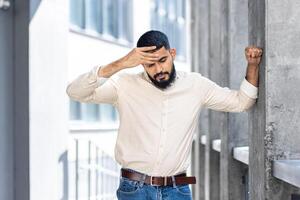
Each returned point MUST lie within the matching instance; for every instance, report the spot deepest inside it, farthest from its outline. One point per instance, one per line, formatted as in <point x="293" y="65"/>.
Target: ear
<point x="173" y="53"/>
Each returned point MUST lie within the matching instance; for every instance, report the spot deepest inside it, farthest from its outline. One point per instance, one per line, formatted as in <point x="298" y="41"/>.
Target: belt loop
<point x="174" y="182"/>
<point x="143" y="180"/>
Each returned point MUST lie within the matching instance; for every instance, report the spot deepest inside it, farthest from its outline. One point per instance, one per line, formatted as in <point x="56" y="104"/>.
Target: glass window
<point x="107" y="113"/>
<point x="91" y="14"/>
<point x="168" y="16"/>
<point x="75" y="110"/>
<point x="103" y="113"/>
<point x="77" y="13"/>
<point x="125" y="19"/>
<point x="89" y="112"/>
<point x="109" y="18"/>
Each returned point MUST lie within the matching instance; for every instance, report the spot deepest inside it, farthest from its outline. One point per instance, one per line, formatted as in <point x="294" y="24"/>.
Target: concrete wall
<point x="220" y="32"/>
<point x="275" y="128"/>
<point x="199" y="53"/>
<point x="6" y="105"/>
<point x="235" y="40"/>
<point x="14" y="102"/>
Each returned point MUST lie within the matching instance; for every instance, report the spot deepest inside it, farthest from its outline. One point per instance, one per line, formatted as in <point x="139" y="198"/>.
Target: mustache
<point x="161" y="73"/>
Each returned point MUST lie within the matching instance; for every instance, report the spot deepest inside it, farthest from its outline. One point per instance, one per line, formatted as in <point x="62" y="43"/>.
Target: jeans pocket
<point x="183" y="189"/>
<point x="128" y="186"/>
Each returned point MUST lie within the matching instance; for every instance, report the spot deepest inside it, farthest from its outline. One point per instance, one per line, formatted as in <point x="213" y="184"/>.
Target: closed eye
<point x="151" y="65"/>
<point x="163" y="59"/>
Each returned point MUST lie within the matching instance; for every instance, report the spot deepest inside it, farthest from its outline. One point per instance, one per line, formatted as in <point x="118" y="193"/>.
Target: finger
<point x="149" y="55"/>
<point x="147" y="48"/>
<point x="148" y="62"/>
<point x="153" y="60"/>
<point x="248" y="53"/>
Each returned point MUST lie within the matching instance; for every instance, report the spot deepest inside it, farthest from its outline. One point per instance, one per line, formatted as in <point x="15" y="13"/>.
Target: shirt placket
<point x="163" y="134"/>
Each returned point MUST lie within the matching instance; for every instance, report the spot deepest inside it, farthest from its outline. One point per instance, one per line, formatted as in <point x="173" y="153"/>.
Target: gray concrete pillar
<point x="20" y="92"/>
<point x="200" y="33"/>
<point x="235" y="39"/>
<point x="274" y="25"/>
<point x="217" y="120"/>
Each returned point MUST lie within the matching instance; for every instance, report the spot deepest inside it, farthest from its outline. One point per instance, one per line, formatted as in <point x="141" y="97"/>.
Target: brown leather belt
<point x="158" y="180"/>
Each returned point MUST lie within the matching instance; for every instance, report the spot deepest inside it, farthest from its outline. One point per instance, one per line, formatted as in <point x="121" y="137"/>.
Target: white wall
<point x="48" y="100"/>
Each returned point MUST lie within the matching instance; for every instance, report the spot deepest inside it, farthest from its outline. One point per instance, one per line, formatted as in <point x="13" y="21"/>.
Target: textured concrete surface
<point x="275" y="131"/>
<point x="6" y="105"/>
<point x="216" y="145"/>
<point x="199" y="50"/>
<point x="221" y="31"/>
<point x="241" y="154"/>
<point x="236" y="35"/>
<point x="288" y="171"/>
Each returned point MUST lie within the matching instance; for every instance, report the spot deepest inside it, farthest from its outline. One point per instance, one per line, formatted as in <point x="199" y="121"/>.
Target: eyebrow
<point x="163" y="58"/>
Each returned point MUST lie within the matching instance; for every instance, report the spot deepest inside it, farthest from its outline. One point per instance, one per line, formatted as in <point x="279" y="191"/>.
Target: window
<point x="169" y="16"/>
<point x="86" y="112"/>
<point x="106" y="19"/>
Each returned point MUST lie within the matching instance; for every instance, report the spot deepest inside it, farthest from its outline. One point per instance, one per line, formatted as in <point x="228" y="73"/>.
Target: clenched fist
<point x="253" y="55"/>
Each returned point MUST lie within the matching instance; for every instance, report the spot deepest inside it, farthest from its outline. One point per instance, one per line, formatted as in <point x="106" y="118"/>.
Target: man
<point x="159" y="110"/>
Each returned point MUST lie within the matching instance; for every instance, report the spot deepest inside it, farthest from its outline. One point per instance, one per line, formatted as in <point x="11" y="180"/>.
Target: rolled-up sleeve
<point x="227" y="100"/>
<point x="90" y="88"/>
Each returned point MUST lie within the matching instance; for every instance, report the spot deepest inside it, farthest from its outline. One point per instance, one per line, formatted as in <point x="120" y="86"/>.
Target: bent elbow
<point x="70" y="92"/>
<point x="247" y="105"/>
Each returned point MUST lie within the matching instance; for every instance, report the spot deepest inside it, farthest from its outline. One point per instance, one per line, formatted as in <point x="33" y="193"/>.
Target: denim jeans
<point x="138" y="190"/>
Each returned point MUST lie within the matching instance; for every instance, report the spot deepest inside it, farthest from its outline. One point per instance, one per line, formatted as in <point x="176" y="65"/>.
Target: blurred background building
<point x="55" y="148"/>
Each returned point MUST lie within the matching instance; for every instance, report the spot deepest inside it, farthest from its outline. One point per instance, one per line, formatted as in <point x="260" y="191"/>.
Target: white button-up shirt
<point x="157" y="126"/>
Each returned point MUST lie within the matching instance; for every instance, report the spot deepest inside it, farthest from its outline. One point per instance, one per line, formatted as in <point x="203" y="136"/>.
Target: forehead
<point x="161" y="52"/>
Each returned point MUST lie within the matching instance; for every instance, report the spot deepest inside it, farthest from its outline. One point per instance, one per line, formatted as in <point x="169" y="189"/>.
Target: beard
<point x="163" y="84"/>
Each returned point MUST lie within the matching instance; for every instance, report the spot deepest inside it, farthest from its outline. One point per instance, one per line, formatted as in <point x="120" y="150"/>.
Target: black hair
<point x="154" y="38"/>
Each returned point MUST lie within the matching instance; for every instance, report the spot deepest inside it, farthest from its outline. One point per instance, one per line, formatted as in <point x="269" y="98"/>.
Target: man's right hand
<point x="139" y="55"/>
<point x="135" y="57"/>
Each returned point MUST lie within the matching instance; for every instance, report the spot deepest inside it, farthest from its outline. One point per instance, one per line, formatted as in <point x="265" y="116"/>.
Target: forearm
<point x="112" y="68"/>
<point x="252" y="74"/>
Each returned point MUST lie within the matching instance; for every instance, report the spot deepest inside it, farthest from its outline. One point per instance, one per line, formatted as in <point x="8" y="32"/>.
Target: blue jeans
<point x="138" y="190"/>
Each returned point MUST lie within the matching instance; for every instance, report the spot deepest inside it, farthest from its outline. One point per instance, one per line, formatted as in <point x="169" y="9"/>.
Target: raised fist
<point x="253" y="55"/>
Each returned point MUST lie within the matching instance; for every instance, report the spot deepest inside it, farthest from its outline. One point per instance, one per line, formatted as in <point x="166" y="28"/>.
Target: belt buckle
<point x="165" y="181"/>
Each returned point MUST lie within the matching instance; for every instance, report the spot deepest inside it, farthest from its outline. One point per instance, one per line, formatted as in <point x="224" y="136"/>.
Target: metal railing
<point x="93" y="174"/>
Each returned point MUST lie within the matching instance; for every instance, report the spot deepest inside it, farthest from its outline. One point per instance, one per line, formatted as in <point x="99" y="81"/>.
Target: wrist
<point x="253" y="65"/>
<point x="122" y="63"/>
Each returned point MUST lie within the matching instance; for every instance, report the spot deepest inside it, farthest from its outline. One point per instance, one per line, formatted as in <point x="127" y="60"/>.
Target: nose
<point x="158" y="68"/>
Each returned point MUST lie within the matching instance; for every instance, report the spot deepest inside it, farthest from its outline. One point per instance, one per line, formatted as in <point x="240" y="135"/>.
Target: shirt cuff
<point x="100" y="80"/>
<point x="249" y="89"/>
